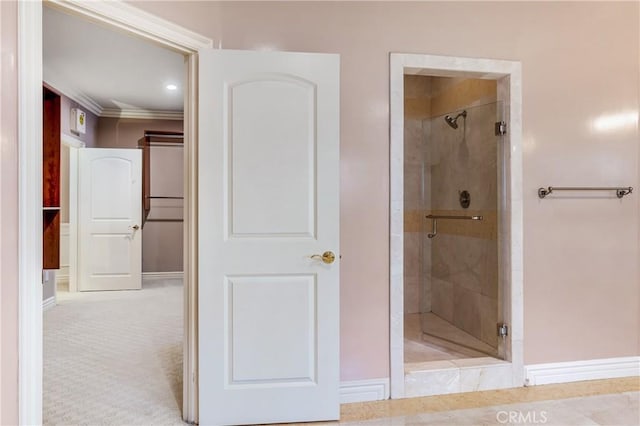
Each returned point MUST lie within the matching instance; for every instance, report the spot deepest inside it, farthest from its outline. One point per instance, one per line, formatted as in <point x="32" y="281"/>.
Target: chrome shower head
<point x="453" y="121"/>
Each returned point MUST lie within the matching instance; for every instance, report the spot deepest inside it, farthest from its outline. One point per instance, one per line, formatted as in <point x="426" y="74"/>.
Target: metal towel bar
<point x="436" y="216"/>
<point x="434" y="221"/>
<point x="621" y="191"/>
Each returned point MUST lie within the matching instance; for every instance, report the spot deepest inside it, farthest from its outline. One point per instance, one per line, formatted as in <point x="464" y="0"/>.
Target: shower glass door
<point x="460" y="297"/>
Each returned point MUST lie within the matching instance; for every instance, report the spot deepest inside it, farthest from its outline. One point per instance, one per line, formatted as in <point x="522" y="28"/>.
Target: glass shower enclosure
<point x="460" y="286"/>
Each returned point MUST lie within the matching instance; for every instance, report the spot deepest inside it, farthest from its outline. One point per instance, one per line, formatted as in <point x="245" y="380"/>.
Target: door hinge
<point x="503" y="330"/>
<point x="501" y="128"/>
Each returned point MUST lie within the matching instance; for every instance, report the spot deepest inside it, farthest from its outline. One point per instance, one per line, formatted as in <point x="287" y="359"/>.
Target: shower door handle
<point x="327" y="257"/>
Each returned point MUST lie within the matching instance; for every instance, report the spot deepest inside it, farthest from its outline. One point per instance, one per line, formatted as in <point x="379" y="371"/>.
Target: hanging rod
<point x="165" y="144"/>
<point x="432" y="216"/>
<point x="164" y="198"/>
<point x="434" y="221"/>
<point x="165" y="220"/>
<point x="621" y="191"/>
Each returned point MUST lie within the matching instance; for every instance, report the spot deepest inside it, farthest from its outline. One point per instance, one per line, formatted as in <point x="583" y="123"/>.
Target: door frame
<point x="508" y="75"/>
<point x="122" y="17"/>
<point x="74" y="145"/>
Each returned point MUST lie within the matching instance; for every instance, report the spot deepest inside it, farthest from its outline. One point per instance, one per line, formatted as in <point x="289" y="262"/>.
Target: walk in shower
<point x="452" y="295"/>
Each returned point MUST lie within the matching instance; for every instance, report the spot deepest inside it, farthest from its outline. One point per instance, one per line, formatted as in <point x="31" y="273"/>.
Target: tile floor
<point x="613" y="402"/>
<point x="616" y="409"/>
<point x="455" y="344"/>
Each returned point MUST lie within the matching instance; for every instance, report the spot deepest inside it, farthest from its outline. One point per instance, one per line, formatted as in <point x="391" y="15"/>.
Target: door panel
<point x="108" y="174"/>
<point x="110" y="249"/>
<point x="272" y="122"/>
<point x="268" y="200"/>
<point x="286" y="307"/>
<point x="109" y="254"/>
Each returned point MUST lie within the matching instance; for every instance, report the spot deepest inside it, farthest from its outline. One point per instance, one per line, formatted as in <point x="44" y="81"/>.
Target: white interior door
<point x="268" y="201"/>
<point x="109" y="213"/>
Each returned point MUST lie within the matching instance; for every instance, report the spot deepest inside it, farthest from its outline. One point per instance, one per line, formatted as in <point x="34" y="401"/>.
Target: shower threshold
<point x="437" y="366"/>
<point x="456" y="376"/>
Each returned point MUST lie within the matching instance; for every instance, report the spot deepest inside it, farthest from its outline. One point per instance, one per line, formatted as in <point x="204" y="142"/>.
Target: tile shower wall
<point x="417" y="107"/>
<point x="451" y="276"/>
<point x="464" y="280"/>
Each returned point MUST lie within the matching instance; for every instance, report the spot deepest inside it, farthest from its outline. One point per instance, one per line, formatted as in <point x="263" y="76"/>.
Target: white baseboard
<point x="48" y="303"/>
<point x="62" y="279"/>
<point x="574" y="371"/>
<point x="364" y="390"/>
<point x="177" y="275"/>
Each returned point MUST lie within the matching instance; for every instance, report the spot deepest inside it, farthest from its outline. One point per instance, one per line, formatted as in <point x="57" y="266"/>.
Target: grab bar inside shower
<point x="434" y="221"/>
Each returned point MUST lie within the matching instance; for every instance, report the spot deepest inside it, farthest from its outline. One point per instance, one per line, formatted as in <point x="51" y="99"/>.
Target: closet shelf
<point x="51" y="128"/>
<point x="155" y="139"/>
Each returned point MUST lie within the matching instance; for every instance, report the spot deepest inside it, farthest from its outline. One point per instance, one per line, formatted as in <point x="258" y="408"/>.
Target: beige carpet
<point x="114" y="358"/>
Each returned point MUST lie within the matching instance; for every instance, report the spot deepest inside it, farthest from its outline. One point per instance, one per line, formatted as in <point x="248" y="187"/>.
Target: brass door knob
<point x="135" y="227"/>
<point x="327" y="257"/>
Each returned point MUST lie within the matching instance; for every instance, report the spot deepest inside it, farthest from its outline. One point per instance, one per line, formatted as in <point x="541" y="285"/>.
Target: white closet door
<point x="109" y="213"/>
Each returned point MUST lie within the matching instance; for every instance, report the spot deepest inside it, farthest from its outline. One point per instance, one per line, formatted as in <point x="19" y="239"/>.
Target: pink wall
<point x="8" y="215"/>
<point x="580" y="61"/>
<point x="161" y="241"/>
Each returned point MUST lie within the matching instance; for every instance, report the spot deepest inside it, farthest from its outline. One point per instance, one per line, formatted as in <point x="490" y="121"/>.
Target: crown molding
<point x="142" y="114"/>
<point x="84" y="100"/>
<point x="136" y="21"/>
<point x="94" y="107"/>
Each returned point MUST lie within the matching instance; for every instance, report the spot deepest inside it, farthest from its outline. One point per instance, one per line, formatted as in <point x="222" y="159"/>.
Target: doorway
<point x="450" y="236"/>
<point x="456" y="228"/>
<point x="261" y="81"/>
<point x="120" y="324"/>
<point x="131" y="21"/>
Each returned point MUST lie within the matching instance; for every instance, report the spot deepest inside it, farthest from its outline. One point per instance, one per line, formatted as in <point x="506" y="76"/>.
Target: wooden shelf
<point x="51" y="239"/>
<point x="50" y="179"/>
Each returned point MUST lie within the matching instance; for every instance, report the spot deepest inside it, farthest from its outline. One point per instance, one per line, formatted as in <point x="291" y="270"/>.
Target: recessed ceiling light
<point x="172" y="87"/>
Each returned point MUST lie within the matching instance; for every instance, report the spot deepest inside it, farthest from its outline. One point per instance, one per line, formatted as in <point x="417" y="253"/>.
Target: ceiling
<point x="108" y="72"/>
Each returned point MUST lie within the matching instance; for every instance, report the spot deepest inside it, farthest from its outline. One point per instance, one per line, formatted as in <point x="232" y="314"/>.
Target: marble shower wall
<point x="417" y="108"/>
<point x="464" y="255"/>
<point x="455" y="274"/>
